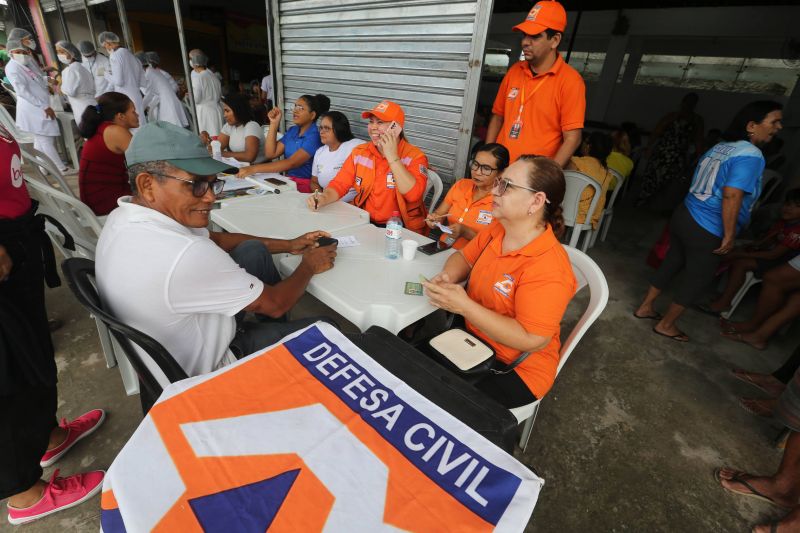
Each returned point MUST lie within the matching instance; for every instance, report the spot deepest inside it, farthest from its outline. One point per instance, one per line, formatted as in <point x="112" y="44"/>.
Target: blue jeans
<point x="256" y="259"/>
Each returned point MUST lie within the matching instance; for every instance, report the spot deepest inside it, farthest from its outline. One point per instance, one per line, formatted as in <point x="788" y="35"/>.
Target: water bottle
<point x="216" y="148"/>
<point x="394" y="234"/>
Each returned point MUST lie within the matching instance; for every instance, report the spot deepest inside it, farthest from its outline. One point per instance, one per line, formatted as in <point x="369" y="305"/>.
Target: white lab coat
<point x="167" y="76"/>
<point x="207" y="91"/>
<point x="77" y="84"/>
<point x="98" y="66"/>
<point x="166" y="105"/>
<point x="126" y="76"/>
<point x="32" y="99"/>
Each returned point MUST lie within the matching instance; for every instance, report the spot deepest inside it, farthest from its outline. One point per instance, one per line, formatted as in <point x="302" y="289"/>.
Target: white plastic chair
<point x="84" y="227"/>
<point x="43" y="167"/>
<point x="587" y="273"/>
<point x="749" y="280"/>
<point x="22" y="138"/>
<point x="576" y="183"/>
<point x="770" y="180"/>
<point x="608" y="211"/>
<point x="434" y="182"/>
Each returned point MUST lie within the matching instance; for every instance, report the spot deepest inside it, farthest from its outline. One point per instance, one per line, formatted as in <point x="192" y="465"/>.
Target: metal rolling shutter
<point x="425" y="55"/>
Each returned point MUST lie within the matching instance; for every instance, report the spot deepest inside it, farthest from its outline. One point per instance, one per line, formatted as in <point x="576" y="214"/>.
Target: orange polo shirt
<point x="532" y="285"/>
<point x="366" y="167"/>
<point x="555" y="101"/>
<point x="477" y="216"/>
<point x="592" y="168"/>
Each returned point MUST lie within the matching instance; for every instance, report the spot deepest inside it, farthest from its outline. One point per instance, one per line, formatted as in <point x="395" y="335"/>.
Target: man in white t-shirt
<point x="160" y="270"/>
<point x="267" y="94"/>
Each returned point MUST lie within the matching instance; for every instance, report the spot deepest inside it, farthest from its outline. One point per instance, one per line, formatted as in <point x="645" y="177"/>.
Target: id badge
<point x="516" y="128"/>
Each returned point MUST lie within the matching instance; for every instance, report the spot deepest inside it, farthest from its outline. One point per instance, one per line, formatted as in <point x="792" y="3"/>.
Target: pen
<point x="316" y="199"/>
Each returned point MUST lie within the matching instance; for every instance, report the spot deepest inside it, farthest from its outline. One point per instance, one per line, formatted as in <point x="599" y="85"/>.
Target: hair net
<point x="152" y="58"/>
<point x="86" y="47"/>
<point x="19" y="34"/>
<point x="14" y="44"/>
<point x="107" y="37"/>
<point x="141" y="57"/>
<point x="71" y="48"/>
<point x="199" y="58"/>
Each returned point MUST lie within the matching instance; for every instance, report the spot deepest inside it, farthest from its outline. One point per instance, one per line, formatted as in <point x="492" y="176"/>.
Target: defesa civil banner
<point x="310" y="435"/>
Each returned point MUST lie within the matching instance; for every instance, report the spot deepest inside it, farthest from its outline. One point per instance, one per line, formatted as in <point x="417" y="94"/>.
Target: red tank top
<point x="14" y="198"/>
<point x="102" y="178"/>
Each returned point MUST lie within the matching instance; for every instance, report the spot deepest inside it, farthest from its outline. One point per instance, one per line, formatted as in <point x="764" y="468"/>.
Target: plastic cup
<point x="409" y="249"/>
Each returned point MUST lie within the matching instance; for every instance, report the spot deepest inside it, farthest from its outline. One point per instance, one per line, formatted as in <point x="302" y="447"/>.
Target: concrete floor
<point x="627" y="439"/>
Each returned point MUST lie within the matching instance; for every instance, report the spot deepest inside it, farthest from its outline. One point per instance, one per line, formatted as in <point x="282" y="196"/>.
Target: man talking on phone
<point x="162" y="272"/>
<point x="389" y="173"/>
<point x="541" y="103"/>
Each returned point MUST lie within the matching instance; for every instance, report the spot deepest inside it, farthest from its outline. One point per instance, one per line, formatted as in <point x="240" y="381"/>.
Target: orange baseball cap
<point x="545" y="15"/>
<point x="387" y="111"/>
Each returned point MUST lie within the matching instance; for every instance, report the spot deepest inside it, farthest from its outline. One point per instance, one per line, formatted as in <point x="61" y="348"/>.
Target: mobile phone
<point x="434" y="247"/>
<point x="275" y="181"/>
<point x="394" y="126"/>
<point x="327" y="241"/>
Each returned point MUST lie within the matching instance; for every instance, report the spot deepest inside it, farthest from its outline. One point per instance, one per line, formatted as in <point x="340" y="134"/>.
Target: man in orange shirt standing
<point x="541" y="103"/>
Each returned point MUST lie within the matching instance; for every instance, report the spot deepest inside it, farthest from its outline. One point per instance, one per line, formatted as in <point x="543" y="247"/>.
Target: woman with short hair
<point x="337" y="143"/>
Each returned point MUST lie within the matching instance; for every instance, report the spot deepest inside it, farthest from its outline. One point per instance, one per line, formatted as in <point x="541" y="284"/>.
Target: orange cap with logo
<point x="545" y="15"/>
<point x="387" y="111"/>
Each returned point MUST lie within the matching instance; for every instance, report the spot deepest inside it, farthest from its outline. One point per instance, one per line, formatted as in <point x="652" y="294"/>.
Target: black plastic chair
<point x="80" y="278"/>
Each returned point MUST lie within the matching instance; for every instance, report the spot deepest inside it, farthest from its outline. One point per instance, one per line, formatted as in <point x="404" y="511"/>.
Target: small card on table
<point x="413" y="288"/>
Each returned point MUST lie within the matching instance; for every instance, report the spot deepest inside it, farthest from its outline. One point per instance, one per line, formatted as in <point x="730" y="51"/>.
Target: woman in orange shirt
<point x="520" y="280"/>
<point x="467" y="208"/>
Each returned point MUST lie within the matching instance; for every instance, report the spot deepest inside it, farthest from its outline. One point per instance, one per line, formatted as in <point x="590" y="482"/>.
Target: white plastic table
<point x="284" y="216"/>
<point x="368" y="289"/>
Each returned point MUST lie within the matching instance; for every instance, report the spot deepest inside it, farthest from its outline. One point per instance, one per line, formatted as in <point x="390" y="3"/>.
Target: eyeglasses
<point x="325" y="128"/>
<point x="297" y="107"/>
<point x="485" y="170"/>
<point x="199" y="186"/>
<point x="502" y="184"/>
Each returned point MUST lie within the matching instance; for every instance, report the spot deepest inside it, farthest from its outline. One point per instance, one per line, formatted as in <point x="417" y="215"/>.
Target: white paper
<point x="347" y="241"/>
<point x="445" y="229"/>
<point x="232" y="161"/>
<point x="233" y="183"/>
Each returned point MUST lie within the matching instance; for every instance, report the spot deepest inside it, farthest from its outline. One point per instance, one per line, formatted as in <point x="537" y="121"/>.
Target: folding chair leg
<point x="527" y="428"/>
<point x="586" y="238"/>
<point x="606" y="225"/>
<point x="576" y="234"/>
<point x="749" y="281"/>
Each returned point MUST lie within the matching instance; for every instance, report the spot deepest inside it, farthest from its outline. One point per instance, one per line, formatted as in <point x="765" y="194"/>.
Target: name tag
<point x="390" y="181"/>
<point x="484" y="217"/>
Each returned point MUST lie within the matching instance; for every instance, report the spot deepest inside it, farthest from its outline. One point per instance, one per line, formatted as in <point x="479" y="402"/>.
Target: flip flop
<point x="678" y="337"/>
<point x="744" y="376"/>
<point x="737" y="337"/>
<point x="704" y="308"/>
<point x="739" y="478"/>
<point x="751" y="406"/>
<point x="656" y="316"/>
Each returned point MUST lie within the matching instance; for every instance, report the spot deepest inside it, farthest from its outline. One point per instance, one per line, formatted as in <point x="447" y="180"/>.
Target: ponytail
<point x="108" y="106"/>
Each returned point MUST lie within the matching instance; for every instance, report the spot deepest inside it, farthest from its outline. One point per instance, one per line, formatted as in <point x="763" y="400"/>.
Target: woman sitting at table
<point x="519" y="281"/>
<point x="467" y="208"/>
<point x="241" y="137"/>
<point x="298" y="145"/>
<point x="389" y="174"/>
<point x="337" y="143"/>
<point x="103" y="176"/>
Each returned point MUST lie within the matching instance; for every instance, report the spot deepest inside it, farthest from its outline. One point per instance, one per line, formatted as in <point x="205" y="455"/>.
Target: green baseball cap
<point x="163" y="141"/>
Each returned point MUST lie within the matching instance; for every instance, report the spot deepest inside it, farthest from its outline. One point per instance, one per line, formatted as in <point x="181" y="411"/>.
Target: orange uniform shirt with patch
<point x="592" y="168"/>
<point x="477" y="216"/>
<point x="366" y="168"/>
<point x="555" y="101"/>
<point x="532" y="285"/>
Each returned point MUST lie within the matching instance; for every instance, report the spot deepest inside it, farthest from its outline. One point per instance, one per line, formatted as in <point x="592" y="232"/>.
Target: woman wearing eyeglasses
<point x="102" y="177"/>
<point x="519" y="280"/>
<point x="337" y="143"/>
<point x="467" y="208"/>
<point x="299" y="144"/>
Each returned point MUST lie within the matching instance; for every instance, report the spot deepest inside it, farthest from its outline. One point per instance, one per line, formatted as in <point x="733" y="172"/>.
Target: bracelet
<point x="395" y="161"/>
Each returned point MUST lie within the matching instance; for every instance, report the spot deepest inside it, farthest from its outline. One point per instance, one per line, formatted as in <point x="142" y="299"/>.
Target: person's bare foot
<point x="760" y="487"/>
<point x="671" y="331"/>
<point x="728" y="326"/>
<point x="766" y="382"/>
<point x="759" y="406"/>
<point x="790" y="523"/>
<point x="747" y="338"/>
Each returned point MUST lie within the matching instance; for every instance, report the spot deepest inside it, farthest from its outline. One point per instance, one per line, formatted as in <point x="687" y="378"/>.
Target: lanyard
<point x="522" y="100"/>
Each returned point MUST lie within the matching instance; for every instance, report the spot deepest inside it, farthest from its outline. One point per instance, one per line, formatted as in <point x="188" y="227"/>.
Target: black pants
<point x="691" y="249"/>
<point x="26" y="420"/>
<point x="784" y="373"/>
